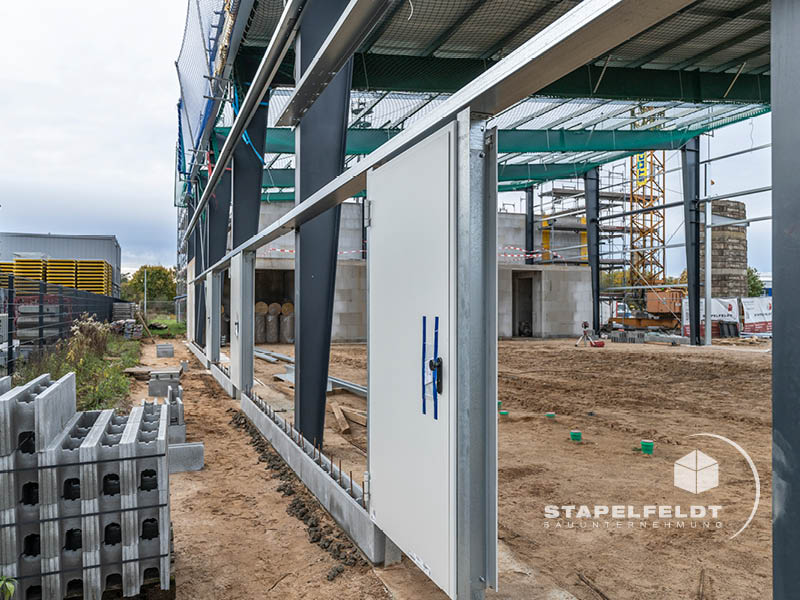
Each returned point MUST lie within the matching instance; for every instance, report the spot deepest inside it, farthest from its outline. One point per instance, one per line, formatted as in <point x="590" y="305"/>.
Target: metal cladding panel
<point x="411" y="265"/>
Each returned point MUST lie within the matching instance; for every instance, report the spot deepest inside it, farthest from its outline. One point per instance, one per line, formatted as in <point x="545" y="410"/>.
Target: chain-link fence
<point x="35" y="314"/>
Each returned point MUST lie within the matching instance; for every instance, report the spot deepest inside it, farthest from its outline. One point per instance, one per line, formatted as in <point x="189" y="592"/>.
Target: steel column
<point x="476" y="363"/>
<point x="248" y="171"/>
<point x="591" y="186"/>
<point x="530" y="239"/>
<point x="785" y="67"/>
<point x="320" y="145"/>
<point x="213" y="315"/>
<point x="242" y="321"/>
<point x="692" y="217"/>
<point x="219" y="207"/>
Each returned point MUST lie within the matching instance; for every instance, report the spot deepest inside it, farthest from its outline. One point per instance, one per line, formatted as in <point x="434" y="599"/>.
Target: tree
<point x="755" y="287"/>
<point x="160" y="284"/>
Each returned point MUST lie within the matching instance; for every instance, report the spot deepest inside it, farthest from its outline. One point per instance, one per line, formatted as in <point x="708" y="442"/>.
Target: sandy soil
<point x="616" y="396"/>
<point x="234" y="538"/>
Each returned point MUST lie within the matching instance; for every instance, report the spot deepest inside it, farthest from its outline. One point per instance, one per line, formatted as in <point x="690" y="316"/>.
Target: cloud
<point x="91" y="122"/>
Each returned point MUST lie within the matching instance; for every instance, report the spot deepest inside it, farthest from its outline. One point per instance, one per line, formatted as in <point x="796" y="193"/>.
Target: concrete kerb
<point x="186" y="457"/>
<point x="346" y="510"/>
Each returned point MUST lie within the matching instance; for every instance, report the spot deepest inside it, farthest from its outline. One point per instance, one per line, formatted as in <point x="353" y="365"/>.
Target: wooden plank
<point x="344" y="426"/>
<point x="354" y="416"/>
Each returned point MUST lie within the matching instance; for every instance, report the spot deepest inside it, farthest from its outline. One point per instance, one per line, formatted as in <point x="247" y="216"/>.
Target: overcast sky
<point x="89" y="101"/>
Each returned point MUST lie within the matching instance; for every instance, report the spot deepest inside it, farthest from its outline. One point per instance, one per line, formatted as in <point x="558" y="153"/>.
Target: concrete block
<point x="162" y="380"/>
<point x="186" y="457"/>
<point x="165" y="350"/>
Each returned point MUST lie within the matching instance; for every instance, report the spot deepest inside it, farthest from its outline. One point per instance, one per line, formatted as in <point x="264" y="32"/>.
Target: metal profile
<point x="584" y="33"/>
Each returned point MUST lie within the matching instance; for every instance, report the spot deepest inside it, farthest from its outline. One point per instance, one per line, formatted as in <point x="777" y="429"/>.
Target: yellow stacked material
<point x="27" y="273"/>
<point x="92" y="276"/>
<point x="6" y="268"/>
<point x="61" y="272"/>
<point x="107" y="280"/>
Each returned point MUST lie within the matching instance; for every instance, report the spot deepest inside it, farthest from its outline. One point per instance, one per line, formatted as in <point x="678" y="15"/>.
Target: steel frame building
<point x="594" y="45"/>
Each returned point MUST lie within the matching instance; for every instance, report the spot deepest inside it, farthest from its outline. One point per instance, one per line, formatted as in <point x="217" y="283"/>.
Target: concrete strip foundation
<point x="322" y="479"/>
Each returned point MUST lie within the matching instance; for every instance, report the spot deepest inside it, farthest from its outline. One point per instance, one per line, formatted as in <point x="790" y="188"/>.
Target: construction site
<point x="466" y="317"/>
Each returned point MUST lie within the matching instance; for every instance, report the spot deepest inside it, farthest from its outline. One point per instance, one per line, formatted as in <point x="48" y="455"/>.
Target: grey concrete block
<point x="165" y="350"/>
<point x="186" y="457"/>
<point x="162" y="380"/>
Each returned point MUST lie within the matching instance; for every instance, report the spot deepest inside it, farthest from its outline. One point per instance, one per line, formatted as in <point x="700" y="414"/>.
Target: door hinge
<point x="367" y="213"/>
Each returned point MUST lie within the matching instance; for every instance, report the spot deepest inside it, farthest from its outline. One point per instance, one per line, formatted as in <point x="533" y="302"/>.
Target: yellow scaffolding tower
<point x="647" y="189"/>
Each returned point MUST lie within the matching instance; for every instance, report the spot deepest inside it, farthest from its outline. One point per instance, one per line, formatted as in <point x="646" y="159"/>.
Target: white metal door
<point x="411" y="256"/>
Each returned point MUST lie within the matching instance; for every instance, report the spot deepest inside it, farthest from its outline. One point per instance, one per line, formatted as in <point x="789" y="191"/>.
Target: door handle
<point x="436" y="366"/>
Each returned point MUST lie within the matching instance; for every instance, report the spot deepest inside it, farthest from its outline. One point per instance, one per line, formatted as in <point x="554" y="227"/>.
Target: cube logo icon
<point x="696" y="472"/>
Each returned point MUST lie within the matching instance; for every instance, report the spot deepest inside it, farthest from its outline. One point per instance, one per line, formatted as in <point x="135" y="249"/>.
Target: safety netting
<point x="197" y="68"/>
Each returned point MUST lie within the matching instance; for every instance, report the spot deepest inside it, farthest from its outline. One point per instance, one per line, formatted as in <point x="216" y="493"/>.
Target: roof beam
<point x="737" y="39"/>
<point x="448" y="33"/>
<point x="587" y="31"/>
<point x="736" y="62"/>
<point x="280" y="140"/>
<point x="378" y="31"/>
<point x="347" y="35"/>
<point x="723" y="19"/>
<point x="502" y="42"/>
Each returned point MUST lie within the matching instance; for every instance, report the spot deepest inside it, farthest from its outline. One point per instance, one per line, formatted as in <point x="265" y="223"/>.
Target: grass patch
<point x="98" y="365"/>
<point x="173" y="327"/>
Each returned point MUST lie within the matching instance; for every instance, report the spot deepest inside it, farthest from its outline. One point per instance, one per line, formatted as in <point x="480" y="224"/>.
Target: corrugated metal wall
<point x="88" y="247"/>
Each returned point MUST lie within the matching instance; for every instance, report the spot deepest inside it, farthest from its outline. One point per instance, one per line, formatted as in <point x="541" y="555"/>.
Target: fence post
<point x="61" y="313"/>
<point x="11" y="326"/>
<point x="41" y="314"/>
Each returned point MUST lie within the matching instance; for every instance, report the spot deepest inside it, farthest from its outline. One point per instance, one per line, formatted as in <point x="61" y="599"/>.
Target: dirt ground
<point x="235" y="539"/>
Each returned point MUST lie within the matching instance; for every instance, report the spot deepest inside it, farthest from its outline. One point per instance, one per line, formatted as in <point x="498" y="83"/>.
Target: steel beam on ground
<point x="692" y="219"/>
<point x="584" y="33"/>
<point x="273" y="57"/>
<point x="320" y="142"/>
<point x="591" y="186"/>
<point x="786" y="286"/>
<point x="349" y="32"/>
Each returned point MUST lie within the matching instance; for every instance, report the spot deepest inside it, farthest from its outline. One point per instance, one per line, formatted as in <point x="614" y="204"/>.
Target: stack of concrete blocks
<point x="85" y="495"/>
<point x="166" y="383"/>
<point x="177" y="424"/>
<point x="165" y="351"/>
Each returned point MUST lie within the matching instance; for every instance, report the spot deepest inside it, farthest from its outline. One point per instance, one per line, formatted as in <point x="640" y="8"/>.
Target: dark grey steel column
<point x="218" y="211"/>
<point x="591" y="185"/>
<point x="319" y="150"/>
<point x="692" y="221"/>
<point x="200" y="263"/>
<point x="785" y="66"/>
<point x="248" y="172"/>
<point x="529" y="237"/>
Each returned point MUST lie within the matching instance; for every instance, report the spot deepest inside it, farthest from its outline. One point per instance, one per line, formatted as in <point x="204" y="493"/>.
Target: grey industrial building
<point x="65" y="246"/>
